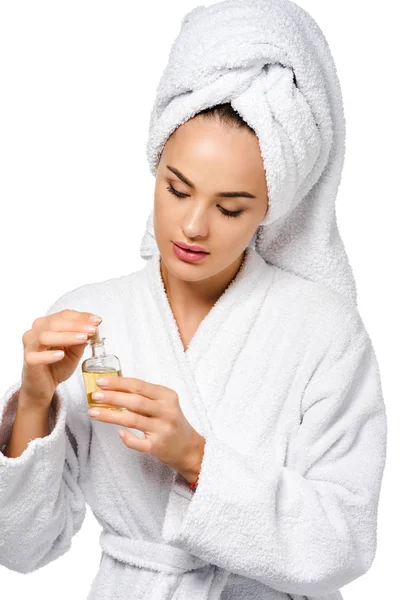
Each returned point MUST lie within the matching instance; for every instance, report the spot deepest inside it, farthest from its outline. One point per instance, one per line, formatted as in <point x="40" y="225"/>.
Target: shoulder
<point x="328" y="317"/>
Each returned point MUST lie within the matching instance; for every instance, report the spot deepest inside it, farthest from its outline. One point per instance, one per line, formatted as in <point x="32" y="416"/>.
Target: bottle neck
<point x="98" y="350"/>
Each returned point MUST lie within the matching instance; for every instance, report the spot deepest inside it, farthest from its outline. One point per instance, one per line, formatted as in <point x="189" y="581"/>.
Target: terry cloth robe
<point x="282" y="381"/>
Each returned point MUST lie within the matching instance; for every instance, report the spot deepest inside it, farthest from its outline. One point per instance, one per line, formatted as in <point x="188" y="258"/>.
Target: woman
<point x="255" y="429"/>
<point x="211" y="146"/>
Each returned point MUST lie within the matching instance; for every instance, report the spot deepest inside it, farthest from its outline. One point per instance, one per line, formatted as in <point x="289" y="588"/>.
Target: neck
<point x="189" y="297"/>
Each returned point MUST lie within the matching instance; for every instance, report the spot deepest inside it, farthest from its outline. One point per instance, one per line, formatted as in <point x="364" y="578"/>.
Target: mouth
<point x="191" y="249"/>
<point x="189" y="255"/>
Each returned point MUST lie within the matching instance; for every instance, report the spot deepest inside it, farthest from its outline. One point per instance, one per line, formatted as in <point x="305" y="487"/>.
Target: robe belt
<point x="150" y="555"/>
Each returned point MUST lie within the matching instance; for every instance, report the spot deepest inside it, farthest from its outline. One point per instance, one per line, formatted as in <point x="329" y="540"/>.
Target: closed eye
<point x="227" y="213"/>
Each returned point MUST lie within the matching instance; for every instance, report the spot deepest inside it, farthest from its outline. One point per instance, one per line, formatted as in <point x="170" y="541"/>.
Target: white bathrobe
<point x="282" y="380"/>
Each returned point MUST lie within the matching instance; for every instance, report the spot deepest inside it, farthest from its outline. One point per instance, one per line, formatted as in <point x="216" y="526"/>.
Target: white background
<point x="78" y="81"/>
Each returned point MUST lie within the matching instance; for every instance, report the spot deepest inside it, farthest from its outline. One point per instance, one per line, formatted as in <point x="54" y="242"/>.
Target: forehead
<point x="206" y="148"/>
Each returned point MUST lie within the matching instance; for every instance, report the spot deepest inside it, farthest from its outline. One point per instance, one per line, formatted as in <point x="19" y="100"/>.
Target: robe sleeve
<point x="41" y="503"/>
<point x="308" y="527"/>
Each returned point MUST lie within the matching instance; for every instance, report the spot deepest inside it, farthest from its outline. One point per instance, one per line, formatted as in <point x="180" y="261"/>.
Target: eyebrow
<point x="220" y="194"/>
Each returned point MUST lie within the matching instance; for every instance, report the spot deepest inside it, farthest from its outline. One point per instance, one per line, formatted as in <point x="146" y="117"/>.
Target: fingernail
<point x="102" y="381"/>
<point x="97" y="395"/>
<point x="93" y="413"/>
<point x="95" y="319"/>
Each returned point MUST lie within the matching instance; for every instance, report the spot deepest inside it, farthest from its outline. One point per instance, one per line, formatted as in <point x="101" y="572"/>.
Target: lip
<point x="188" y="256"/>
<point x="193" y="248"/>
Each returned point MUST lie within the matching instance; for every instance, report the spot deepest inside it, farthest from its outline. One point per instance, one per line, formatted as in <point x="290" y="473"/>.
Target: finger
<point x="131" y="384"/>
<point x="60" y="324"/>
<point x="76" y="320"/>
<point x="45" y="357"/>
<point x="42" y="328"/>
<point x="66" y="320"/>
<point x="61" y="338"/>
<point x="125" y="418"/>
<point x="133" y="442"/>
<point x="68" y="314"/>
<point x="133" y="402"/>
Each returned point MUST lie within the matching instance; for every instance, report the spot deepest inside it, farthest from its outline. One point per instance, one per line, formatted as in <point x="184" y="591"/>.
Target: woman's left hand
<point x="155" y="410"/>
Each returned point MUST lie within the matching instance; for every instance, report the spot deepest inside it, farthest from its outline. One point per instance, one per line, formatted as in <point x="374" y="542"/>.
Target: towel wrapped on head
<point x="271" y="61"/>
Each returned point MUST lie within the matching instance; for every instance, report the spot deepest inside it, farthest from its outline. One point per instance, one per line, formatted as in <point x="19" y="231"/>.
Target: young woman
<point x="255" y="429"/>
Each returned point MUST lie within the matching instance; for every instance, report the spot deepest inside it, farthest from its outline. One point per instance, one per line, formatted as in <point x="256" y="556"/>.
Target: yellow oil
<point x="89" y="378"/>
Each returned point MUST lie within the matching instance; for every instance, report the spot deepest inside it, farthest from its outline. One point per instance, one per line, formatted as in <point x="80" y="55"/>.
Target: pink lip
<point x="187" y="255"/>
<point x="193" y="248"/>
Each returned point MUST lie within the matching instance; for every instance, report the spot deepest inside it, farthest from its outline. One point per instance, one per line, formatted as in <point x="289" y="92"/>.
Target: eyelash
<point x="227" y="213"/>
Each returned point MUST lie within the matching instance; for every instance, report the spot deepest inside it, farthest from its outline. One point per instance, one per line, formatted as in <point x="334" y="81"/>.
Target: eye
<point x="175" y="193"/>
<point x="227" y="213"/>
<point x="230" y="213"/>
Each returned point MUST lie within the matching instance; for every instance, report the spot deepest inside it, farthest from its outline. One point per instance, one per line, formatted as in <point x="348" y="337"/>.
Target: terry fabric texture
<point x="271" y="61"/>
<point x="281" y="377"/>
<point x="282" y="380"/>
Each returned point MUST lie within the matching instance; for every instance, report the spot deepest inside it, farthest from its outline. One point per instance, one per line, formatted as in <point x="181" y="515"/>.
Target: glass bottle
<point x="100" y="364"/>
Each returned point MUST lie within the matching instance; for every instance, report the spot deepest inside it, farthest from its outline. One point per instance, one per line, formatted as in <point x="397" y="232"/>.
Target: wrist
<point x="28" y="404"/>
<point x="192" y="467"/>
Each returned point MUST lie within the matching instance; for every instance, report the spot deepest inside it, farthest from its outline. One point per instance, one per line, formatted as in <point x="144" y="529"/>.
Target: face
<point x="201" y="163"/>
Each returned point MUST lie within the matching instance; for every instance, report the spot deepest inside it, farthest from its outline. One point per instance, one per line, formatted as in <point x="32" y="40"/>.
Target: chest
<point x="187" y="328"/>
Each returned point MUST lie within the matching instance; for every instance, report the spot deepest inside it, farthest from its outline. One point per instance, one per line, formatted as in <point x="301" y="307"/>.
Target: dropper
<point x="96" y="338"/>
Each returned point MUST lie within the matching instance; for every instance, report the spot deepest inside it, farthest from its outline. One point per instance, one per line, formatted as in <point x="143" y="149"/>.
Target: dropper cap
<point x="96" y="338"/>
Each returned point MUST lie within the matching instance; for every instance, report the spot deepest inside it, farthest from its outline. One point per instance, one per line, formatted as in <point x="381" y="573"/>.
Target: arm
<point x="308" y="527"/>
<point x="29" y="423"/>
<point x="41" y="503"/>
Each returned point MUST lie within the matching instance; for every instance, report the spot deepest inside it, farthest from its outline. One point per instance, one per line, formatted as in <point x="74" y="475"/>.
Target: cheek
<point x="161" y="204"/>
<point x="235" y="237"/>
<point x="167" y="209"/>
<point x="164" y="219"/>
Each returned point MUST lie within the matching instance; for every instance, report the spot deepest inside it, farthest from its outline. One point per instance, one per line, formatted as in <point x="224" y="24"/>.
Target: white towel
<point x="269" y="59"/>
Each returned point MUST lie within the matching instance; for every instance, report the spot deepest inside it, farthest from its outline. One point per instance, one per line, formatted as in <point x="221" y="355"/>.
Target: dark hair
<point x="227" y="114"/>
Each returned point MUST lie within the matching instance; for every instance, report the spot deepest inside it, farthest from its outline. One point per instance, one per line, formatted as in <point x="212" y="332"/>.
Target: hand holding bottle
<point x="43" y="368"/>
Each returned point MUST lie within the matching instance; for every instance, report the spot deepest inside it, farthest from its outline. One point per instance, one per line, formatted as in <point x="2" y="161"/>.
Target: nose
<point x="196" y="224"/>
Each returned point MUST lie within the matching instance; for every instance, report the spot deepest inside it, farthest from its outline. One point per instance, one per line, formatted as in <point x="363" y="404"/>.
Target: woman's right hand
<point x="43" y="371"/>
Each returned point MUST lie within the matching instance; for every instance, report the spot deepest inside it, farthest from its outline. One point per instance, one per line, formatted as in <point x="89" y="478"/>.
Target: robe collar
<point x="216" y="345"/>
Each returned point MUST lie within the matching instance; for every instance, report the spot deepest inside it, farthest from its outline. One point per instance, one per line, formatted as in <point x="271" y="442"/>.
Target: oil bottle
<point x="100" y="364"/>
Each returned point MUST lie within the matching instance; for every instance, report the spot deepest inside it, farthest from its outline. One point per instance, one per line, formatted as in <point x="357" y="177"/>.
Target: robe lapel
<point x="204" y="370"/>
<point x="222" y="335"/>
<point x="215" y="348"/>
